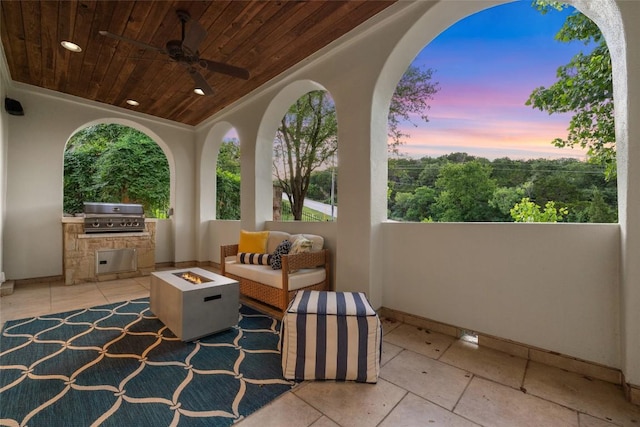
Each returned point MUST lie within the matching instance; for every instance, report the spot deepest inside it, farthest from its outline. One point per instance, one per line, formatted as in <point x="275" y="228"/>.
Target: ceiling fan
<point x="185" y="52"/>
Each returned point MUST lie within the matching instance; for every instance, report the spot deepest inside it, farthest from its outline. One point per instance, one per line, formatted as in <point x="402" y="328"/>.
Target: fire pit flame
<point x="193" y="278"/>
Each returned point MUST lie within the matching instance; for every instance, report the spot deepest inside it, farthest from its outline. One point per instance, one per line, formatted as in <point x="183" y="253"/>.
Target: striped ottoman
<point x="331" y="335"/>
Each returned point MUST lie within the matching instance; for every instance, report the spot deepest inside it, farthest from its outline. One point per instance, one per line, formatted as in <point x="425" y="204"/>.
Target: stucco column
<point x="627" y="96"/>
<point x="362" y="166"/>
<point x="256" y="188"/>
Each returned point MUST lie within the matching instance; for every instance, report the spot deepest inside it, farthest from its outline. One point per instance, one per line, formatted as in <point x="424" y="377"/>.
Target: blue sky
<point x="487" y="65"/>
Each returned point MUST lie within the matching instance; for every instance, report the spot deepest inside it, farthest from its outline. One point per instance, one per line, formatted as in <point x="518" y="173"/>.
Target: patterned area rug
<point x="118" y="365"/>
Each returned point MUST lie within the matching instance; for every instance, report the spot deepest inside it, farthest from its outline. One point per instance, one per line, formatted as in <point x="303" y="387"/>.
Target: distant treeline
<point x="460" y="187"/>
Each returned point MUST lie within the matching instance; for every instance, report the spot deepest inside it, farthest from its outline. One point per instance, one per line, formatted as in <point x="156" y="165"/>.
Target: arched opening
<point x="485" y="154"/>
<point x="304" y="160"/>
<point x="257" y="160"/>
<point x="111" y="162"/>
<point x="228" y="178"/>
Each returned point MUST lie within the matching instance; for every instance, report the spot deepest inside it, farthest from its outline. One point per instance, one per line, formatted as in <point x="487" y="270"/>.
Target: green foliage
<point x="528" y="211"/>
<point x="567" y="182"/>
<point x="465" y="191"/>
<point x="320" y="186"/>
<point x="228" y="195"/>
<point x="412" y="95"/>
<point x="133" y="169"/>
<point x="228" y="181"/>
<point x="114" y="163"/>
<point x="414" y="206"/>
<point x="584" y="87"/>
<point x="229" y="156"/>
<point x="599" y="210"/>
<point x="80" y="170"/>
<point x="503" y="199"/>
<point x="306" y="140"/>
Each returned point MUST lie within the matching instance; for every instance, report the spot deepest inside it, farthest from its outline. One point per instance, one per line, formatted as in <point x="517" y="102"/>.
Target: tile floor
<point x="426" y="378"/>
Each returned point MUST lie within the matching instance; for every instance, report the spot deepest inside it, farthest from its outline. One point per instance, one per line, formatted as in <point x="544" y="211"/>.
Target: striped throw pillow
<point x="251" y="258"/>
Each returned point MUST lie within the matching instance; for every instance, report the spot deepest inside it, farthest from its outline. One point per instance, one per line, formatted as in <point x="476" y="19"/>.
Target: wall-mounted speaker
<point x="13" y="107"/>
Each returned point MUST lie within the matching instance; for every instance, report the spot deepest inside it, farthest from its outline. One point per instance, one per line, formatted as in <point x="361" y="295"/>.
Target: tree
<point x="528" y="211"/>
<point x="228" y="180"/>
<point x="307" y="136"/>
<point x="465" y="191"/>
<point x="584" y="88"/>
<point x="320" y="185"/>
<point x="504" y="198"/>
<point x="80" y="169"/>
<point x="229" y="156"/>
<point x="305" y="140"/>
<point x="115" y="163"/>
<point x="134" y="169"/>
<point x="599" y="211"/>
<point x="412" y="95"/>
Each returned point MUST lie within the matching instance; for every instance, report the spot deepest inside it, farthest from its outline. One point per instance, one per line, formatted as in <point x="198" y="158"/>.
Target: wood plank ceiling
<point x="265" y="37"/>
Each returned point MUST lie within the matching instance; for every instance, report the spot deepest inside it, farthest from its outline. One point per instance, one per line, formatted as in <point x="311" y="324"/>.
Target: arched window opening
<point x="228" y="178"/>
<point x="521" y="128"/>
<point x="115" y="164"/>
<point x="304" y="160"/>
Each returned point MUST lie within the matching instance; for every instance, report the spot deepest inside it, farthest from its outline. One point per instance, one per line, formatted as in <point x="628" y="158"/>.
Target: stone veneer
<point x="79" y="251"/>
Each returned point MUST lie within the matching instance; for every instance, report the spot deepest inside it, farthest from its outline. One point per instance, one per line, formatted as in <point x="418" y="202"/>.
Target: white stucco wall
<point x="32" y="236"/>
<point x="553" y="286"/>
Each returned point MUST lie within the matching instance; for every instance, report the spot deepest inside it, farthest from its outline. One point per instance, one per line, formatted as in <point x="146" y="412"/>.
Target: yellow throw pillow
<point x="253" y="241"/>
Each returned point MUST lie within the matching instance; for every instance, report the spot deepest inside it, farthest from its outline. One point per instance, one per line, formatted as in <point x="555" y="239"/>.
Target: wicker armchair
<point x="279" y="297"/>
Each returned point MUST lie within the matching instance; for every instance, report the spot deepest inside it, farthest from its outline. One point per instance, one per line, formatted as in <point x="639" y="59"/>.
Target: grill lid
<point x="113" y="209"/>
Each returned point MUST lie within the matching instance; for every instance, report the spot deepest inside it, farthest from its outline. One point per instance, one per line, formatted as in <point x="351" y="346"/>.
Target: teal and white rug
<point x="118" y="365"/>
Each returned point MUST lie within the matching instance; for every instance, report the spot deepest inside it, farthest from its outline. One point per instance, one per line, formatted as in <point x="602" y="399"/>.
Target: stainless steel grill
<point x="113" y="217"/>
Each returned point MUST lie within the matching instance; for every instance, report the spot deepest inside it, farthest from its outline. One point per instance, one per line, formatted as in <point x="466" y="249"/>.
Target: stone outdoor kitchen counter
<point x="80" y="251"/>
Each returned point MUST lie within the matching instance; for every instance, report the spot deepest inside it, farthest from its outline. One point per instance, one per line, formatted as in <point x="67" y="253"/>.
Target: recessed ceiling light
<point x="198" y="91"/>
<point x="71" y="46"/>
<point x="133" y="102"/>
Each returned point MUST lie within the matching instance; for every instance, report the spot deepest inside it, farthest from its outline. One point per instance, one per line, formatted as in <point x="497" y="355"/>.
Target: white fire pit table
<point x="190" y="309"/>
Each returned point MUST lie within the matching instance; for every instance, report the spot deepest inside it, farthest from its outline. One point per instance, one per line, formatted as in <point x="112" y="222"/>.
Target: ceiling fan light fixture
<point x="133" y="102"/>
<point x="199" y="91"/>
<point x="71" y="46"/>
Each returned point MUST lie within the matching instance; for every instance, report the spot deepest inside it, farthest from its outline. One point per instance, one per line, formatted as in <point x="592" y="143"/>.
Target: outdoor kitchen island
<point x="97" y="257"/>
<point x="194" y="302"/>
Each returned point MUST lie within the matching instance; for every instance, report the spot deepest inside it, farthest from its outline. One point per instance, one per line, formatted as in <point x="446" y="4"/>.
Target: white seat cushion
<point x="266" y="275"/>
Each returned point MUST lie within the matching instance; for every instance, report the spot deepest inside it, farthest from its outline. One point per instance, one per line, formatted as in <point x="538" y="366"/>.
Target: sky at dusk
<point x="487" y="65"/>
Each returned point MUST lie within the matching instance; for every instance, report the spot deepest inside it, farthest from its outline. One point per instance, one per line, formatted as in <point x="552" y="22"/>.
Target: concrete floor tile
<point x="123" y="290"/>
<point x="487" y="363"/>
<point x="419" y="340"/>
<point x="589" y="421"/>
<point x="324" y="421"/>
<point x="26" y="301"/>
<point x="79" y="303"/>
<point x="430" y="379"/>
<point x="600" y="399"/>
<point x="128" y="296"/>
<point x="388" y="324"/>
<point x="389" y="351"/>
<point x="415" y="411"/>
<point x="352" y="404"/>
<point x="491" y="404"/>
<point x="287" y="410"/>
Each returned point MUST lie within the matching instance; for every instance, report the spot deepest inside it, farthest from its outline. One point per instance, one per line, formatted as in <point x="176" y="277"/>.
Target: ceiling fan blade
<point x="227" y="69"/>
<point x="133" y="42"/>
<point x="194" y="35"/>
<point x="200" y="81"/>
